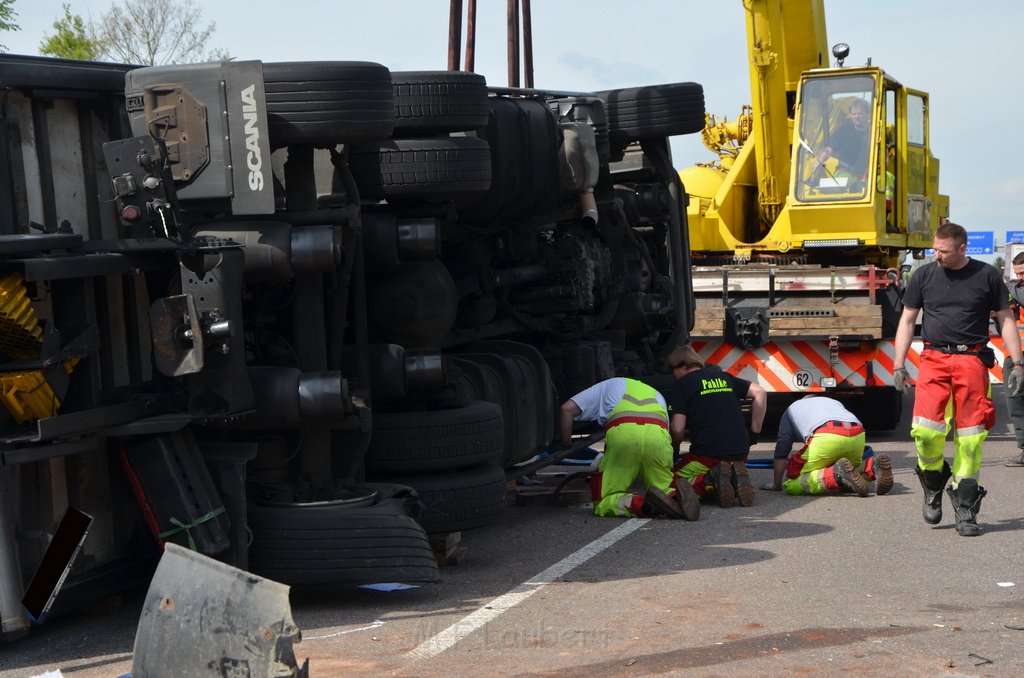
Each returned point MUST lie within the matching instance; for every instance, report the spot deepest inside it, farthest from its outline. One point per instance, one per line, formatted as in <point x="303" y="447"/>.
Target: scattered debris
<point x="206" y="618"/>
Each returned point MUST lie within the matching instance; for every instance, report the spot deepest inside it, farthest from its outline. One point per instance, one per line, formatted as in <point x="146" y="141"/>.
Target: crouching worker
<point x="636" y="443"/>
<point x="832" y="458"/>
<point x="706" y="401"/>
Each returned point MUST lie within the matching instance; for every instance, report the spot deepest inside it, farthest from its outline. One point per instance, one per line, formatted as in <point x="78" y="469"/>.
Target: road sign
<point x="1014" y="236"/>
<point x="978" y="242"/>
<point x="981" y="242"/>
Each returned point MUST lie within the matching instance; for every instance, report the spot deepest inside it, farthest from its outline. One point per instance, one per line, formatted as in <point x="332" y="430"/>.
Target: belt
<point x="847" y="428"/>
<point x="953" y="348"/>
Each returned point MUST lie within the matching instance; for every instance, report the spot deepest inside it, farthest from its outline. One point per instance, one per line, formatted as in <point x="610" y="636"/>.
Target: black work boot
<point x="657" y="504"/>
<point x="848" y="478"/>
<point x="720" y="476"/>
<point x="687" y="498"/>
<point x="966" y="500"/>
<point x="745" y="491"/>
<point x="932" y="482"/>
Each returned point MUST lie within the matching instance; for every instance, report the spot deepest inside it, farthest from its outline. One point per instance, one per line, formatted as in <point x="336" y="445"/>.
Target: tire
<point x="327" y="102"/>
<point x="459" y="500"/>
<point x="421" y="167"/>
<point x="436" y="440"/>
<point x="330" y="545"/>
<point x="543" y="396"/>
<point x="655" y="111"/>
<point x="439" y="101"/>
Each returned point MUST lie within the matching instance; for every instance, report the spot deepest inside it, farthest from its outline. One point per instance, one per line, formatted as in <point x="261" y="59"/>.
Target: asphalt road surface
<point x="791" y="586"/>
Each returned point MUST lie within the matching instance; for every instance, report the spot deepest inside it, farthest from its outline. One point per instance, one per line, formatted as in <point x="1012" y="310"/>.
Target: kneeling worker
<point x="636" y="442"/>
<point x="832" y="458"/>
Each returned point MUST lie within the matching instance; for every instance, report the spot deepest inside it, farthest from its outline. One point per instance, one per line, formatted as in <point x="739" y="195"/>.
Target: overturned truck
<point x="297" y="316"/>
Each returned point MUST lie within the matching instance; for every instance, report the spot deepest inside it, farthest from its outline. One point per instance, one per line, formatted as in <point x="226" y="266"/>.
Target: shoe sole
<point x="855" y="480"/>
<point x="723" y="485"/>
<point x="883" y="474"/>
<point x="687" y="499"/>
<point x="663" y="504"/>
<point x="745" y="491"/>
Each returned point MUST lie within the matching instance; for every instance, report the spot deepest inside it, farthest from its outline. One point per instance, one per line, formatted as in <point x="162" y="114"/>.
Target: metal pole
<point x="471" y="37"/>
<point x="513" y="43"/>
<point x="527" y="45"/>
<point x="454" y="34"/>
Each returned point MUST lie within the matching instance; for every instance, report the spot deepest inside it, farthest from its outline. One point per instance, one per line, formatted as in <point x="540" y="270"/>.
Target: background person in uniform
<point x="636" y="442"/>
<point x="832" y="458"/>
<point x="706" y="400"/>
<point x="850" y="144"/>
<point x="957" y="295"/>
<point x="1015" y="403"/>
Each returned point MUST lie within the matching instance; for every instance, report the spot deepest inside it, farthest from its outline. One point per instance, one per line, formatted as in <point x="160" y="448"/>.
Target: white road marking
<point x="475" y="620"/>
<point x="376" y="624"/>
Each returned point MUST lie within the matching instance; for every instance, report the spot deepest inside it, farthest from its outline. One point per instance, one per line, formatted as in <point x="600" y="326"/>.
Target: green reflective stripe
<point x="928" y="461"/>
<point x="639" y="400"/>
<point x="642" y="402"/>
<point x="930" y="424"/>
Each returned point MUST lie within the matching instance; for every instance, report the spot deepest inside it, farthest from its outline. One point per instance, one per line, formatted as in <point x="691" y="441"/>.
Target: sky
<point x="952" y="49"/>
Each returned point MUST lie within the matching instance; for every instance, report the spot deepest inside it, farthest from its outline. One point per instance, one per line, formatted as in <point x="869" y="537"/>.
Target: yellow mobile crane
<point x="798" y="230"/>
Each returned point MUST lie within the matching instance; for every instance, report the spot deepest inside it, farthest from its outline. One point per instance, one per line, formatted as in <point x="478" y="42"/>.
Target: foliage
<point x="71" y="39"/>
<point x="155" y="32"/>
<point x="7" y="16"/>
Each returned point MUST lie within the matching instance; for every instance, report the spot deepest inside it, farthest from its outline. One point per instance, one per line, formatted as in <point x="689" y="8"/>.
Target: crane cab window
<point x="836" y="128"/>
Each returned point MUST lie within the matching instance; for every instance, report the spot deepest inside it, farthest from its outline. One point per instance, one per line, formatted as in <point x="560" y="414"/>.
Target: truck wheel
<point x="436" y="440"/>
<point x="460" y="500"/>
<point x="656" y="110"/>
<point x="439" y="101"/>
<point x="421" y="167"/>
<point x="543" y="393"/>
<point x="327" y="102"/>
<point x="328" y="544"/>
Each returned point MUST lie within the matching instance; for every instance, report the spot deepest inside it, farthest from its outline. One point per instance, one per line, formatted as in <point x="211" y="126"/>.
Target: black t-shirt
<point x="710" y="399"/>
<point x="956" y="304"/>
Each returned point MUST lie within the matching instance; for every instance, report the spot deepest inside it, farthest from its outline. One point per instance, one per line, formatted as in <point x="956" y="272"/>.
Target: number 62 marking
<point x="802" y="380"/>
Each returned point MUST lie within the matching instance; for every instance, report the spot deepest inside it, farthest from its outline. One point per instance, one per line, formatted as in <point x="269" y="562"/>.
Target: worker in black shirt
<point x="706" y="401"/>
<point x="957" y="295"/>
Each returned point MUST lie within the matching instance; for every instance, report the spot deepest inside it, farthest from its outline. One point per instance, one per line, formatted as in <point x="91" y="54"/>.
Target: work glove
<point x="901" y="380"/>
<point x="1015" y="382"/>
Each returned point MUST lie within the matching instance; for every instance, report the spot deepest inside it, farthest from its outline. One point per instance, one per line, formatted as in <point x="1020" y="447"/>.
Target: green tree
<point x="7" y="16"/>
<point x="155" y="32"/>
<point x="71" y="39"/>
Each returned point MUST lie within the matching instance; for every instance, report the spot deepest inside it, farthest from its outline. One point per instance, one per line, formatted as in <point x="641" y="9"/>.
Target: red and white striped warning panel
<point x="795" y="366"/>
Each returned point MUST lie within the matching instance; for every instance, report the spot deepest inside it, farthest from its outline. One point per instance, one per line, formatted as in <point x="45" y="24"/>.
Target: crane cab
<point x="863" y="175"/>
